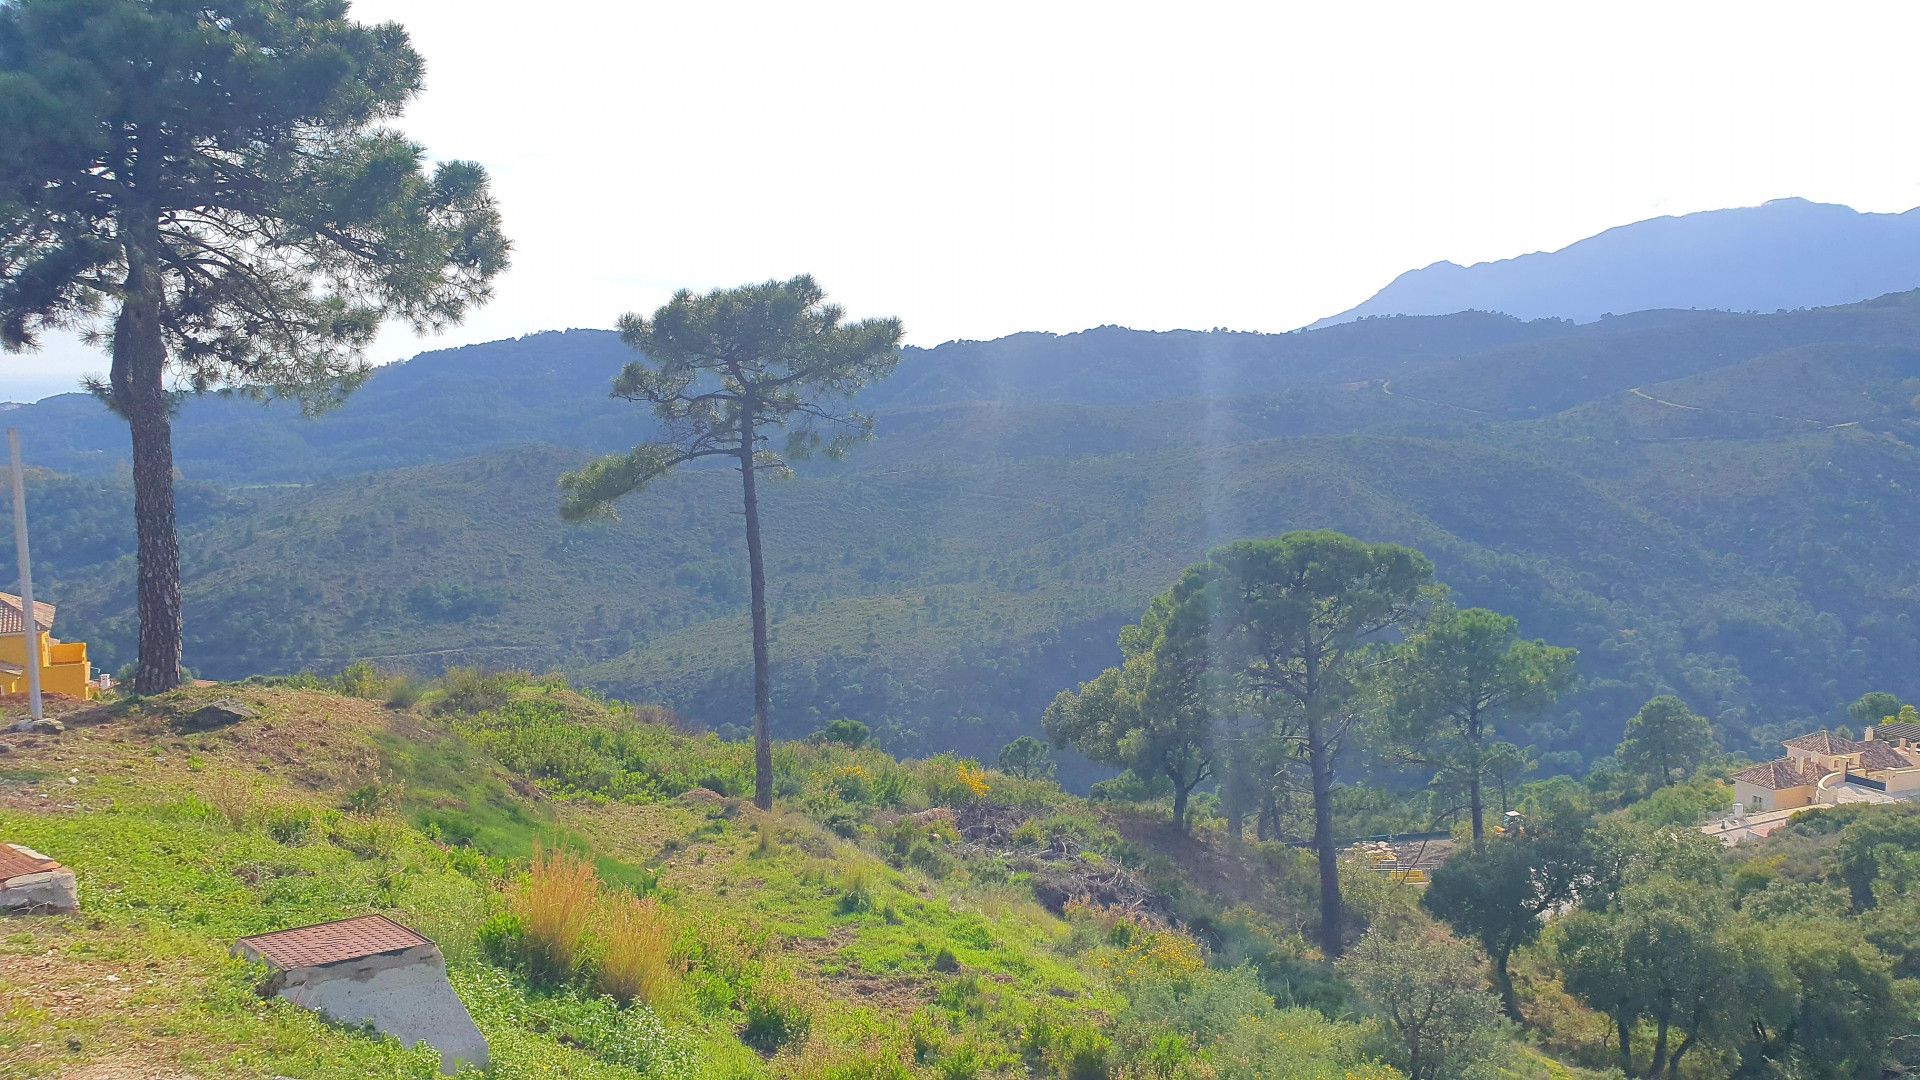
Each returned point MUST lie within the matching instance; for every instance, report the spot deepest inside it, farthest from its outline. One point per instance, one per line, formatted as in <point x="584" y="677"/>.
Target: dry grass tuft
<point x="556" y="909"/>
<point x="636" y="958"/>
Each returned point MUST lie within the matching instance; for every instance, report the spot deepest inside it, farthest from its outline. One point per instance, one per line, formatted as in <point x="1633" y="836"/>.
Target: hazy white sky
<point x="988" y="167"/>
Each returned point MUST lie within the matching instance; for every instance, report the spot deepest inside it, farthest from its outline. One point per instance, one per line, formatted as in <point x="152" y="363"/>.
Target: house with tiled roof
<point x="64" y="668"/>
<point x="1827" y="768"/>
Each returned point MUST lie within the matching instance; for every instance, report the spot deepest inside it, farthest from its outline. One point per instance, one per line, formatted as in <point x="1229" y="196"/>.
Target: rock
<point x="31" y="726"/>
<point x="710" y="800"/>
<point x="225" y="712"/>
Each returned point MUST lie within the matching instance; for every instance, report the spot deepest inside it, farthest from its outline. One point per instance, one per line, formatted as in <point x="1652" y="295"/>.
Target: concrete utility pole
<point x="29" y="625"/>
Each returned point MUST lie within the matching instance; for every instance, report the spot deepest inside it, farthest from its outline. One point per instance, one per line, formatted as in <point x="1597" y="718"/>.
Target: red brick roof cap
<point x="334" y="942"/>
<point x="16" y="861"/>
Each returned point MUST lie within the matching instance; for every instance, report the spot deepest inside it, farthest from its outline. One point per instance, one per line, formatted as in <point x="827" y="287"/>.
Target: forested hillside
<point x="1716" y="505"/>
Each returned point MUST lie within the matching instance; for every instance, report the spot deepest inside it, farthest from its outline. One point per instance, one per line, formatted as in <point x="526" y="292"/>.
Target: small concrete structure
<point x="32" y="884"/>
<point x="372" y="971"/>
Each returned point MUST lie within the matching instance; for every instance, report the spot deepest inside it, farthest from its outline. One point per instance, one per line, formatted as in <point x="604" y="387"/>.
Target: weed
<point x="856" y="887"/>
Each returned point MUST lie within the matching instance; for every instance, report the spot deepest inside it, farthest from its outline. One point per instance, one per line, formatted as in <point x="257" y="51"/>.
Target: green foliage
<point x="1026" y="758"/>
<point x="849" y="733"/>
<point x="1453" y="686"/>
<point x="1285" y="629"/>
<point x="1665" y="742"/>
<point x="723" y="368"/>
<point x="1687" y="803"/>
<point x="282" y="220"/>
<point x="1437" y="1020"/>
<point x="774" y="1019"/>
<point x="722" y="372"/>
<point x="1136" y="718"/>
<point x="1665" y="954"/>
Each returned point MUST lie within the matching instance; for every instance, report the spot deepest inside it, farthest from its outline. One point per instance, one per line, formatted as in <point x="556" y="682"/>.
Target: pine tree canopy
<point x="736" y="364"/>
<point x="236" y="151"/>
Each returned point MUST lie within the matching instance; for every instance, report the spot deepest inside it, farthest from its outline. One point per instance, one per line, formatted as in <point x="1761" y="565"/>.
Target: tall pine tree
<point x="209" y="189"/>
<point x="723" y="372"/>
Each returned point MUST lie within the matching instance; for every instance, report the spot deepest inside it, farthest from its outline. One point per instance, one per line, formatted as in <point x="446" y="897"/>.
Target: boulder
<point x="31" y="726"/>
<point x="225" y="712"/>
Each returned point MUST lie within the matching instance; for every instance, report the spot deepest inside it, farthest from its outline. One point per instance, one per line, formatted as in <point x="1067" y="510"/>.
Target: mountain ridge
<point x="1785" y="254"/>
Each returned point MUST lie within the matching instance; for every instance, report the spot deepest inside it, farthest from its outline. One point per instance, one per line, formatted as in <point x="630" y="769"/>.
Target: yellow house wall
<point x="63" y="666"/>
<point x="1900" y="779"/>
<point x="1757" y="799"/>
<point x="13" y="648"/>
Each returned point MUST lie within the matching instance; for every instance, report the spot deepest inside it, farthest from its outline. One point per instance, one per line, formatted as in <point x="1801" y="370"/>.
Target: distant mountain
<point x="1786" y="254"/>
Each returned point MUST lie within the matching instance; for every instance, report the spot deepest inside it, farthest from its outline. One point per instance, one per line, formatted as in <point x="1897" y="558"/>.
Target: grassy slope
<point x="327" y="806"/>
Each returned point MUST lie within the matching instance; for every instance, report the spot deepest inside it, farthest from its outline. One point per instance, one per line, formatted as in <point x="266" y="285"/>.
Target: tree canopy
<point x="1665" y="741"/>
<point x="1458" y="676"/>
<point x="1148" y="715"/>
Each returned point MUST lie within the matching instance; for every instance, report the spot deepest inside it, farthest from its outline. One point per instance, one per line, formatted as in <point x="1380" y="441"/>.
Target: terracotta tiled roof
<point x="19" y="862"/>
<point x="1825" y="742"/>
<point x="1879" y="755"/>
<point x="1777" y="774"/>
<point x="334" y="942"/>
<point x="1897" y="731"/>
<point x="10" y="614"/>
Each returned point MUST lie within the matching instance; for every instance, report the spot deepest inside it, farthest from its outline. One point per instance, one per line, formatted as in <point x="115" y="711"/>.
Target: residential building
<point x="63" y="664"/>
<point x="1828" y="769"/>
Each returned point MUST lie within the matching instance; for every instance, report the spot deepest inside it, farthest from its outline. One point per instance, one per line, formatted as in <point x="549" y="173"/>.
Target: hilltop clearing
<point x="902" y="919"/>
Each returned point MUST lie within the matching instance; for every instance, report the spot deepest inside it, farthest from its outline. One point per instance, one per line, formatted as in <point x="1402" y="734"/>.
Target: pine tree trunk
<point x="1476" y="798"/>
<point x="762" y="678"/>
<point x="1503" y="982"/>
<point x="139" y="394"/>
<point x="1233" y="803"/>
<point x="1179" y="806"/>
<point x="1624" y="1025"/>
<point x="1478" y="804"/>
<point x="1320" y="758"/>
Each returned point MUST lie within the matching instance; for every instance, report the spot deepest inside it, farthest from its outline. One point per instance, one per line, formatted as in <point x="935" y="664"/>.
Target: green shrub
<point x="773" y="1019"/>
<point x="929" y="860"/>
<point x="503" y="940"/>
<point x="849" y="733"/>
<point x="362" y="680"/>
<point x="289" y="825"/>
<point x="470" y="691"/>
<point x="1068" y="834"/>
<point x="405" y="692"/>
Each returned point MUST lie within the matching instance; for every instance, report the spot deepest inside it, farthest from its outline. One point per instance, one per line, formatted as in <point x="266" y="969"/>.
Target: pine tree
<point x="208" y="188"/>
<point x="722" y="372"/>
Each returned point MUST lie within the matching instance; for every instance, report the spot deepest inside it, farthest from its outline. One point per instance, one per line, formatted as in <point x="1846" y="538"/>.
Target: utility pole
<point x="30" y="626"/>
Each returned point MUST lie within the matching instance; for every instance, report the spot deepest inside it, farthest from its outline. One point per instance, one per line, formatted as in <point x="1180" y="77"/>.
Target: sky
<point x="984" y="168"/>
